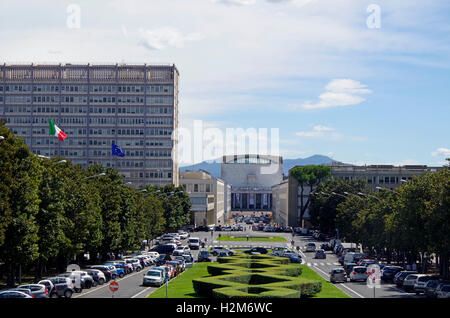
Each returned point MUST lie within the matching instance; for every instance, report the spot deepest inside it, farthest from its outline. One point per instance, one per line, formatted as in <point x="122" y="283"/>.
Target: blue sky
<point x="311" y="68"/>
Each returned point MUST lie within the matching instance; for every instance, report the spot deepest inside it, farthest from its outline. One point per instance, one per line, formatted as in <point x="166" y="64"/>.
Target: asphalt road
<point x="130" y="286"/>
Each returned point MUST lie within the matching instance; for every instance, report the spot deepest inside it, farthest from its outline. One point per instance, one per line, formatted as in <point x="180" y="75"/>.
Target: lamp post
<point x="97" y="175"/>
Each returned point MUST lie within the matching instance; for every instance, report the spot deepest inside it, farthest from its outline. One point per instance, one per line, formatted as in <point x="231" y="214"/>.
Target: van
<point x="194" y="243"/>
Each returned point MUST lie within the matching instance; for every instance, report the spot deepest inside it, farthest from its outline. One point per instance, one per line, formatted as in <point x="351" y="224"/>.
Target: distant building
<point x="251" y="178"/>
<point x="209" y="196"/>
<point x="286" y="194"/>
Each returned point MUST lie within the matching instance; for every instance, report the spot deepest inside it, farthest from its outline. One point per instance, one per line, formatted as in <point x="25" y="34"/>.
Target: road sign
<point x="114" y="286"/>
<point x="374" y="278"/>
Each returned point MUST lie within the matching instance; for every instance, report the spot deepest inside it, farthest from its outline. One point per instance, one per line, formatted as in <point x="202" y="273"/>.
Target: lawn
<point x="252" y="238"/>
<point x="182" y="287"/>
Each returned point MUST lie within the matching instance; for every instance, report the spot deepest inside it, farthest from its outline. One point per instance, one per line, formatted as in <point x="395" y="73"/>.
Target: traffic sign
<point x="114" y="286"/>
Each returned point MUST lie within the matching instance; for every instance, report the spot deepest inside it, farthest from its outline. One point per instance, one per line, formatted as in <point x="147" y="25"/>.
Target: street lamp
<point x="98" y="175"/>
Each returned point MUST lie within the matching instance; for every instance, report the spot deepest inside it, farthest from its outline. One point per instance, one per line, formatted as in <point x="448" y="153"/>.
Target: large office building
<point x="251" y="178"/>
<point x="286" y="195"/>
<point x="133" y="106"/>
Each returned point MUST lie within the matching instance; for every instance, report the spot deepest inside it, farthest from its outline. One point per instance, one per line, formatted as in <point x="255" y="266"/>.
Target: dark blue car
<point x="293" y="258"/>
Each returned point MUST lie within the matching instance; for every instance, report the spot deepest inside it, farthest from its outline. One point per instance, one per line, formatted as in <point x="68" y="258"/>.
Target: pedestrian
<point x="408" y="267"/>
<point x="247" y="237"/>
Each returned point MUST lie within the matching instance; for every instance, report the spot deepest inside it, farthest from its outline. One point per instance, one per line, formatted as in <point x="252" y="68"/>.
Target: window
<point x="208" y="188"/>
<point x="195" y="187"/>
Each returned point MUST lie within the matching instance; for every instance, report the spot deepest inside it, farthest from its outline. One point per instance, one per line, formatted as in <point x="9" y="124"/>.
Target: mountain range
<point x="214" y="167"/>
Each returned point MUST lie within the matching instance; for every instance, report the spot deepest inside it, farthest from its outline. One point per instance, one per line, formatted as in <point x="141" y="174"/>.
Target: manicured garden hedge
<point x="255" y="276"/>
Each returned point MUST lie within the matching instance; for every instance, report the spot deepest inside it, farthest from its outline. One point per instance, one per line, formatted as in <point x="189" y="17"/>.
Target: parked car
<point x="23" y="290"/>
<point x="161" y="260"/>
<point x="388" y="272"/>
<point x="217" y="249"/>
<point x="420" y="283"/>
<point x="366" y="262"/>
<point x="204" y="256"/>
<point x="338" y="275"/>
<point x="180" y="250"/>
<point x="37" y="290"/>
<point x="13" y="294"/>
<point x="97" y="275"/>
<point x="320" y="254"/>
<point x="201" y="228"/>
<point x="430" y="287"/>
<point x="443" y="290"/>
<point x="310" y="247"/>
<point x="183" y="235"/>
<point x="260" y="250"/>
<point x="153" y="278"/>
<point x="189" y="260"/>
<point x="165" y="270"/>
<point x="326" y="246"/>
<point x="176" y="266"/>
<point x="86" y="280"/>
<point x="400" y="277"/>
<point x="135" y="262"/>
<point x="358" y="273"/>
<point x="293" y="258"/>
<point x="348" y="268"/>
<point x="48" y="286"/>
<point x="164" y="249"/>
<point x="180" y="260"/>
<point x="410" y="280"/>
<point x="117" y="270"/>
<point x="63" y="287"/>
<point x="170" y="269"/>
<point x="121" y="266"/>
<point x="105" y="270"/>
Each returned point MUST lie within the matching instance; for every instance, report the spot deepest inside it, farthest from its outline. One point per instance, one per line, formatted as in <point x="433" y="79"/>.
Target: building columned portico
<point x="251" y="178"/>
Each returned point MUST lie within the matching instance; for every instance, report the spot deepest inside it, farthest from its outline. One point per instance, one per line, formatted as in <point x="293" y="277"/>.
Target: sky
<point x="364" y="82"/>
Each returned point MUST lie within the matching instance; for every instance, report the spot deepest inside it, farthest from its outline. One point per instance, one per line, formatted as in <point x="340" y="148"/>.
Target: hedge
<point x="255" y="276"/>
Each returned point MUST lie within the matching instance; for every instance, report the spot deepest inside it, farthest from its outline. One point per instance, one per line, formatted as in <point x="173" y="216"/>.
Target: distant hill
<point x="214" y="167"/>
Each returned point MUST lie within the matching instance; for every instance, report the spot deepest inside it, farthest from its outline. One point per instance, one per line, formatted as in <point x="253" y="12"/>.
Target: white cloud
<point x="339" y="92"/>
<point x="328" y="133"/>
<point x="441" y="152"/>
<point x="235" y="2"/>
<point x="164" y="37"/>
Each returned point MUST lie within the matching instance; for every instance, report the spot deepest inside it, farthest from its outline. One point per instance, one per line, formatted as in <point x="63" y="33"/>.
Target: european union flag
<point x="117" y="151"/>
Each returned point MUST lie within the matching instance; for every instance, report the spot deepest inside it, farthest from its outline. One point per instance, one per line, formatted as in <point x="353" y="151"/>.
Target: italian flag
<point x="56" y="131"/>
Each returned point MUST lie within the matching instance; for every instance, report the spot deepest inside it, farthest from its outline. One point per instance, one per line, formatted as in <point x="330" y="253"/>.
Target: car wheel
<point x="78" y="290"/>
<point x="101" y="281"/>
<point x="121" y="275"/>
<point x="88" y="285"/>
<point x="68" y="294"/>
<point x="94" y="283"/>
<point x="54" y="295"/>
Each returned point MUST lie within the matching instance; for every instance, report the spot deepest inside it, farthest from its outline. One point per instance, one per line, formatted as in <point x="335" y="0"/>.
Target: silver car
<point x="310" y="247"/>
<point x="37" y="290"/>
<point x="358" y="273"/>
<point x="338" y="275"/>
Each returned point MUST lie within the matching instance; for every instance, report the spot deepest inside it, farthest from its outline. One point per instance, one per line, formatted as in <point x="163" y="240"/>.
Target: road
<point x="130" y="286"/>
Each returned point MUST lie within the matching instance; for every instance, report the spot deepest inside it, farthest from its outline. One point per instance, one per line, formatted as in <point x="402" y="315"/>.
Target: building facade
<point x="287" y="196"/>
<point x="251" y="178"/>
<point x="208" y="196"/>
<point x="133" y="106"/>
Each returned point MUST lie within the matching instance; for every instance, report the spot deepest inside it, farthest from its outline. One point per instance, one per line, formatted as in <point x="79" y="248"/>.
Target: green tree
<point x="323" y="209"/>
<point x="308" y="176"/>
<point x="21" y="173"/>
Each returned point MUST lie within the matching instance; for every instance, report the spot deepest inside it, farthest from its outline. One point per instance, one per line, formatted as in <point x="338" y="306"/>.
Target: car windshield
<point x="204" y="253"/>
<point x="153" y="273"/>
<point x="193" y="240"/>
<point x="338" y="271"/>
<point x="359" y="270"/>
<point x="446" y="288"/>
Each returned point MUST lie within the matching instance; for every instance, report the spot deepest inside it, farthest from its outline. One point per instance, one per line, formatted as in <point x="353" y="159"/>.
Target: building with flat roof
<point x="209" y="197"/>
<point x="286" y="195"/>
<point x="133" y="106"/>
<point x="251" y="178"/>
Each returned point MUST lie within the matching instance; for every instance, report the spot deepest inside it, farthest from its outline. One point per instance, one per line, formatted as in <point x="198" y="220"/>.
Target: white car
<point x="410" y="280"/>
<point x="194" y="243"/>
<point x="310" y="247"/>
<point x="358" y="273"/>
<point x="153" y="255"/>
<point x="180" y="250"/>
<point x="420" y="283"/>
<point x="153" y="278"/>
<point x="183" y="235"/>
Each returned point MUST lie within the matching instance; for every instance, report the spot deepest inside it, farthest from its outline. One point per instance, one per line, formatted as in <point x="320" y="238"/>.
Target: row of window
<point x="377" y="180"/>
<point x="93" y="110"/>
<point x="26" y="99"/>
<point x="84" y="88"/>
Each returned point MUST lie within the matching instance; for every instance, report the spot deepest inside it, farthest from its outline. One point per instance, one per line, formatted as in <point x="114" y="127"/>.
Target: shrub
<point x="255" y="276"/>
